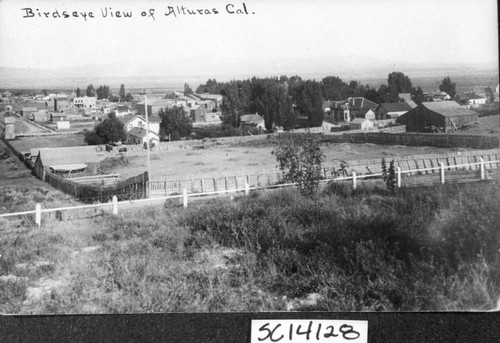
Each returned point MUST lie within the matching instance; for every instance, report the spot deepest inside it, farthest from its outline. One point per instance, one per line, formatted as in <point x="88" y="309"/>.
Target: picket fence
<point x="114" y="205"/>
<point x="167" y="185"/>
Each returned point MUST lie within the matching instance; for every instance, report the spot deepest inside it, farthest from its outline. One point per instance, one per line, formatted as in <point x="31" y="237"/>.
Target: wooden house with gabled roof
<point x="392" y="110"/>
<point x="356" y="107"/>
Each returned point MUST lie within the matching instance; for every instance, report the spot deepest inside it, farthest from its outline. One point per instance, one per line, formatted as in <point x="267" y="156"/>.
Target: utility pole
<point x="147" y="142"/>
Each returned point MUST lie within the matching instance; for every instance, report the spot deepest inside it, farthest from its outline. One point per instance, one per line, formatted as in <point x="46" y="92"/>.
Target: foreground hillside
<point x="368" y="250"/>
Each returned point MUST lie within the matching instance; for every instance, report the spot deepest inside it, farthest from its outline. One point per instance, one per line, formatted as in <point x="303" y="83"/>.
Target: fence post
<point x="115" y="205"/>
<point x="38" y="214"/>
<point x="353" y="179"/>
<point x="247" y="189"/>
<point x="482" y="168"/>
<point x="398" y="176"/>
<point x="442" y="172"/>
<point x="185" y="198"/>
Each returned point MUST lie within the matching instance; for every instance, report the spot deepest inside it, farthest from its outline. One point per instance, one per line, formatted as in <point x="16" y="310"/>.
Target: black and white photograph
<point x="250" y="157"/>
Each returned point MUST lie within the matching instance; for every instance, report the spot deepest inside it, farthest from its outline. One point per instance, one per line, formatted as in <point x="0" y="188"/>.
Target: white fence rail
<point x="114" y="205"/>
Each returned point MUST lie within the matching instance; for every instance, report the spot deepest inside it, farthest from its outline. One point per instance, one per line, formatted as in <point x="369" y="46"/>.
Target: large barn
<point x="437" y="116"/>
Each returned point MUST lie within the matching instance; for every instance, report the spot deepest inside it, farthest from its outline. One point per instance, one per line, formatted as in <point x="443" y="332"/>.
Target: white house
<point x="370" y="115"/>
<point x="477" y="102"/>
<point x="140" y="136"/>
<point x="361" y="124"/>
<point x="327" y="126"/>
<point x="122" y="111"/>
<point x="136" y="121"/>
<point x="252" y="120"/>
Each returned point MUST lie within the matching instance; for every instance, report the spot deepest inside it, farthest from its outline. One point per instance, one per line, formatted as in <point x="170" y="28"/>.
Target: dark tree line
<point x="281" y="100"/>
<point x="104" y="92"/>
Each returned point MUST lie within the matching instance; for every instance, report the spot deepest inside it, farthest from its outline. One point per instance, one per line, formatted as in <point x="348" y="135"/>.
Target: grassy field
<point x="487" y="126"/>
<point x="183" y="163"/>
<point x="25" y="144"/>
<point x="420" y="249"/>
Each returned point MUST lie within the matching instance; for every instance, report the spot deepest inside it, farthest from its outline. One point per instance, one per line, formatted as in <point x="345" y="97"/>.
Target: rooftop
<point x="71" y="155"/>
<point x="448" y="108"/>
<point x="396" y="106"/>
<point x="139" y="132"/>
<point x="360" y="102"/>
<point x="250" y="119"/>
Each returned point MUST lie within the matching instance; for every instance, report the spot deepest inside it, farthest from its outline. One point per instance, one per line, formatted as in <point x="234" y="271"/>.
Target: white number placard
<point x="304" y="330"/>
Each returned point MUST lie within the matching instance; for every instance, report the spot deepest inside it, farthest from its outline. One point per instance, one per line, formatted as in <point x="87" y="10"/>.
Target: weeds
<point x="417" y="249"/>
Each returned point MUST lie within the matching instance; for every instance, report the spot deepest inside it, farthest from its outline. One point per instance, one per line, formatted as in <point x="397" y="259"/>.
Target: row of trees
<point x="103" y="92"/>
<point x="281" y="100"/>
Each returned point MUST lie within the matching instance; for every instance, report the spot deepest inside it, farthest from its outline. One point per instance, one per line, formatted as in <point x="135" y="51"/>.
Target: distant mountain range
<point x="195" y="70"/>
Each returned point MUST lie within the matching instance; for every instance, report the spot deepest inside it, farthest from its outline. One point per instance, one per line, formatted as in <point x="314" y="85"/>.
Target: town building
<point x="215" y="98"/>
<point x="392" y="110"/>
<point x="135" y="121"/>
<point x="27" y="112"/>
<point x="68" y="161"/>
<point x="10" y="132"/>
<point x="361" y="124"/>
<point x="61" y="103"/>
<point x="197" y="113"/>
<point x="334" y="110"/>
<point x="252" y="121"/>
<point x="141" y="136"/>
<point x="86" y="102"/>
<point x="477" y="102"/>
<point x="356" y="107"/>
<point x="41" y="116"/>
<point x="122" y="110"/>
<point x="437" y="116"/>
<point x="55" y="117"/>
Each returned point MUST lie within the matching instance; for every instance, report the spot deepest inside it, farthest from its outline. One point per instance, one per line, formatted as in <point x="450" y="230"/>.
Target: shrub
<point x="300" y="161"/>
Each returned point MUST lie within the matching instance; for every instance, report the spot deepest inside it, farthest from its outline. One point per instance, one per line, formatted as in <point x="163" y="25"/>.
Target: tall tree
<point x="231" y="106"/>
<point x="398" y="83"/>
<point x="448" y="87"/>
<point x="111" y="130"/>
<point x="78" y="92"/>
<point x="490" y="95"/>
<point x="122" y="93"/>
<point x="417" y="95"/>
<point x="371" y="94"/>
<point x="175" y="123"/>
<point x="187" y="89"/>
<point x="310" y="102"/>
<point x="102" y="92"/>
<point x="90" y="90"/>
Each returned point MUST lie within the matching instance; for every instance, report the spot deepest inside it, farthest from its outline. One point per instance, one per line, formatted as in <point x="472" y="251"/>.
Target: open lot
<point x="25" y="144"/>
<point x="487" y="126"/>
<point x="186" y="163"/>
<point x="20" y="190"/>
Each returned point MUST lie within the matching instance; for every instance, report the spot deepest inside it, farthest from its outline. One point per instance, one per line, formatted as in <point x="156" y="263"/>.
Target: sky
<point x="424" y="31"/>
